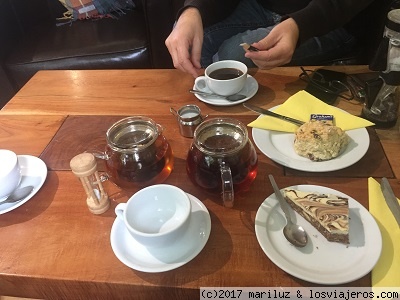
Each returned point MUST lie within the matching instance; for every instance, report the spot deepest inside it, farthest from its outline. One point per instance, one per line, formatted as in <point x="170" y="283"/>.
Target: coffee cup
<point x="157" y="215"/>
<point x="10" y="172"/>
<point x="225" y="78"/>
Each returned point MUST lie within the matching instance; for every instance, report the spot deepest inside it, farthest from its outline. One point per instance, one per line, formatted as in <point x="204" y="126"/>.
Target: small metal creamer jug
<point x="188" y="117"/>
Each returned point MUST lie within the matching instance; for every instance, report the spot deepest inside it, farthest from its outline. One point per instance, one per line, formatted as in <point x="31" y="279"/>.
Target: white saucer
<point x="152" y="260"/>
<point x="250" y="89"/>
<point x="34" y="172"/>
<point x="320" y="261"/>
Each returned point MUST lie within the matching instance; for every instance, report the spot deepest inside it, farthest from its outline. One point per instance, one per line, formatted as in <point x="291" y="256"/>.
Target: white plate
<point x="278" y="146"/>
<point x="320" y="261"/>
<point x="34" y="172"/>
<point x="138" y="257"/>
<point x="250" y="89"/>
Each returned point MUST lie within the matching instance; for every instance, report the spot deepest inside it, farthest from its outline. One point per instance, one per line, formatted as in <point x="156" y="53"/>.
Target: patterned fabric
<point x="89" y="9"/>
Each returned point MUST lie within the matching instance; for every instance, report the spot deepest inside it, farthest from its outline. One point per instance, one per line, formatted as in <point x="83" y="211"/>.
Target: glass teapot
<point x="221" y="158"/>
<point x="382" y="108"/>
<point x="137" y="153"/>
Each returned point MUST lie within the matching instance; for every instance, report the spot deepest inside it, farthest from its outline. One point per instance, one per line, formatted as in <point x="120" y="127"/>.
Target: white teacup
<point x="156" y="215"/>
<point x="10" y="172"/>
<point x="225" y="77"/>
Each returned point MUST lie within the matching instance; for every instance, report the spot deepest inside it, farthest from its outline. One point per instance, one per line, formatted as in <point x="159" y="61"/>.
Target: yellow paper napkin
<point x="300" y="106"/>
<point x="386" y="272"/>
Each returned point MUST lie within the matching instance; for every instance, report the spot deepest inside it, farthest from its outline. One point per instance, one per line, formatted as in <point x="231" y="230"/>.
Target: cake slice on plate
<point x="328" y="213"/>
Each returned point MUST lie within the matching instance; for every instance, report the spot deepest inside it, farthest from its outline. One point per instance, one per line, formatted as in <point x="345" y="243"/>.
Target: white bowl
<point x="156" y="215"/>
<point x="10" y="173"/>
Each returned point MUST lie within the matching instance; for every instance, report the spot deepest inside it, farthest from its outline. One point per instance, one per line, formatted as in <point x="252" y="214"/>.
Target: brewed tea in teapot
<point x="137" y="153"/>
<point x="222" y="158"/>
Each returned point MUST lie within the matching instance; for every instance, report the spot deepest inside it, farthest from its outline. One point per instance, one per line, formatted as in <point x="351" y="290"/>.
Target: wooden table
<point x="53" y="247"/>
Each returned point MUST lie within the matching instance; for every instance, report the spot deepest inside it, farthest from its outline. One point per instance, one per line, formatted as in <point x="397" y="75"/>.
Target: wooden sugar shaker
<point x="84" y="166"/>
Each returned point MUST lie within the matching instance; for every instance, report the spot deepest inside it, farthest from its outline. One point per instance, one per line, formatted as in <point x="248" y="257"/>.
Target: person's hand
<point x="185" y="42"/>
<point x="277" y="48"/>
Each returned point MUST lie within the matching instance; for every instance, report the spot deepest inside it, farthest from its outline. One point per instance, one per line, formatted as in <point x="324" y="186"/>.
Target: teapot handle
<point x="227" y="185"/>
<point x="160" y="129"/>
<point x="100" y="154"/>
<point x="104" y="156"/>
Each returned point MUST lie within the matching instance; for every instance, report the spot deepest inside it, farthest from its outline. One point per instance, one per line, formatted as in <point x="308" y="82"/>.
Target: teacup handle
<point x="200" y="83"/>
<point x="119" y="210"/>
<point x="227" y="185"/>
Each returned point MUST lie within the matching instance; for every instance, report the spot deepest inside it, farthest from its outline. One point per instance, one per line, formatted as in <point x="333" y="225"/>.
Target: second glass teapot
<point x="222" y="158"/>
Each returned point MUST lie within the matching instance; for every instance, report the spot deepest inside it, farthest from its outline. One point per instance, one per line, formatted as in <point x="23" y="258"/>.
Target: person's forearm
<point x="211" y="11"/>
<point x="323" y="16"/>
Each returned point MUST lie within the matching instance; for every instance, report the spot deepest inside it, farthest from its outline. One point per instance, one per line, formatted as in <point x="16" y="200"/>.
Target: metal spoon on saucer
<point x="294" y="233"/>
<point x="234" y="97"/>
<point x="18" y="194"/>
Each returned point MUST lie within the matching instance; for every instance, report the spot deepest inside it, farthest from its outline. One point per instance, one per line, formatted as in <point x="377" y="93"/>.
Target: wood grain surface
<point x="54" y="248"/>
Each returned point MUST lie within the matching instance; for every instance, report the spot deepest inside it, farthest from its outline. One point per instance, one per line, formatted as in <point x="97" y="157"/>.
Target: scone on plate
<point x="320" y="140"/>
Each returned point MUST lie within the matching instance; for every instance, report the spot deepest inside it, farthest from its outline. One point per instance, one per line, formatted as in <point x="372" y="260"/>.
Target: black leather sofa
<point x="30" y="39"/>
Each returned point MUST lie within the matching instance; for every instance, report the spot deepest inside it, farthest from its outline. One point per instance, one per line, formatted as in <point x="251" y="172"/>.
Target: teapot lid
<point x="220" y="136"/>
<point x="132" y="134"/>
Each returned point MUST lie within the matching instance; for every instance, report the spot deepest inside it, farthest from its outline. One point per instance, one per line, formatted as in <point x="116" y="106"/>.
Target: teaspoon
<point x="18" y="194"/>
<point x="294" y="233"/>
<point x="234" y="97"/>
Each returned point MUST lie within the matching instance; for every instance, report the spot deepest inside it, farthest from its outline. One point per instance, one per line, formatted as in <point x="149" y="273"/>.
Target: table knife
<point x="272" y="114"/>
<point x="391" y="199"/>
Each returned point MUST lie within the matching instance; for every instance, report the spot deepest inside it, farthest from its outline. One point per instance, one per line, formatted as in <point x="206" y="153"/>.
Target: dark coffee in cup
<point x="224" y="77"/>
<point x="226" y="73"/>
